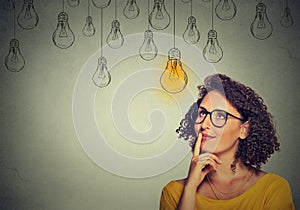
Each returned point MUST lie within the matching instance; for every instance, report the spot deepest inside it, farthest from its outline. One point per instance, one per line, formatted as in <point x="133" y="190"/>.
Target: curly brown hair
<point x="261" y="141"/>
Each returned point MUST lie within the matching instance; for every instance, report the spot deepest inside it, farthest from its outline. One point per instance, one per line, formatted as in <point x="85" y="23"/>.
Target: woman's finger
<point x="197" y="146"/>
<point x="211" y="156"/>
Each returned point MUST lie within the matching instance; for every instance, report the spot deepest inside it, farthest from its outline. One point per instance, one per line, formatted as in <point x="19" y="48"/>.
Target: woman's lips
<point x="206" y="137"/>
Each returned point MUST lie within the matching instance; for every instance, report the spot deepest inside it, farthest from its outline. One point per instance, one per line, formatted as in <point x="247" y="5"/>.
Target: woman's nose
<point x="206" y="122"/>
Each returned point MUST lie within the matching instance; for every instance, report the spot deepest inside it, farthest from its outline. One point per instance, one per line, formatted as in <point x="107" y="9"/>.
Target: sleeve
<point x="167" y="199"/>
<point x="280" y="196"/>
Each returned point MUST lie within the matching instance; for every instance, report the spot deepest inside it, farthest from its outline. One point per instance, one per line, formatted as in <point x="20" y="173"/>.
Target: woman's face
<point x="219" y="140"/>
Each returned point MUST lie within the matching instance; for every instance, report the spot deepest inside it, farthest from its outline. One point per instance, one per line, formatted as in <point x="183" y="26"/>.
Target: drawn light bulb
<point x="73" y="3"/>
<point x="8" y="5"/>
<point x="101" y="77"/>
<point x="159" y="18"/>
<point x="261" y="28"/>
<point x="89" y="29"/>
<point x="212" y="51"/>
<point x="131" y="10"/>
<point x="148" y="50"/>
<point x="174" y="79"/>
<point x="191" y="34"/>
<point x="226" y="9"/>
<point x="287" y="19"/>
<point x="14" y="61"/>
<point x="28" y="17"/>
<point x="115" y="38"/>
<point x="101" y="3"/>
<point x="63" y="36"/>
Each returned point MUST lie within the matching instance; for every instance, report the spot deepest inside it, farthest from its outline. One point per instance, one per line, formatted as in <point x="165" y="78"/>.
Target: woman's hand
<point x="201" y="165"/>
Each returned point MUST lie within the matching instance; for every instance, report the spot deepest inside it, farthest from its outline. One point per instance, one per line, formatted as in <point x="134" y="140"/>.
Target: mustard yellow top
<point x="269" y="192"/>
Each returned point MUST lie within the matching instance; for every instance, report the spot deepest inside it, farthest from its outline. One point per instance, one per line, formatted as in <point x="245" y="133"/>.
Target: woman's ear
<point x="244" y="130"/>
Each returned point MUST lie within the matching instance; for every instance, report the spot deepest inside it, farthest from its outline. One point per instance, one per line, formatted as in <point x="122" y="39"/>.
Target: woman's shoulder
<point x="268" y="178"/>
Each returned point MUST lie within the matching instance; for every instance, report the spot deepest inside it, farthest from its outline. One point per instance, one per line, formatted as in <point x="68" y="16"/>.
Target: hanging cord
<point x="174" y="24"/>
<point x="286" y="4"/>
<point x="101" y="32"/>
<point x="88" y="7"/>
<point x="212" y="14"/>
<point x="191" y="7"/>
<point x="63" y="5"/>
<point x="148" y="13"/>
<point x="115" y="9"/>
<point x="14" y="7"/>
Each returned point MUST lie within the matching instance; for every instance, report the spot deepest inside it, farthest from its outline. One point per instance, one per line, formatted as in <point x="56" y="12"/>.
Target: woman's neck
<point x="226" y="172"/>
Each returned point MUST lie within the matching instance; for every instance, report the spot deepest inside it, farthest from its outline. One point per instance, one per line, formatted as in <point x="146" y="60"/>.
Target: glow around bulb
<point x="8" y="5"/>
<point x="28" y="17"/>
<point x="73" y="3"/>
<point x="159" y="18"/>
<point x="191" y="34"/>
<point x="115" y="38"/>
<point x="174" y="79"/>
<point x="89" y="29"/>
<point x="14" y="61"/>
<point x="101" y="3"/>
<point x="63" y="37"/>
<point x="287" y="19"/>
<point x="226" y="9"/>
<point x="212" y="51"/>
<point x="148" y="50"/>
<point x="101" y="77"/>
<point x="261" y="28"/>
<point x="131" y="10"/>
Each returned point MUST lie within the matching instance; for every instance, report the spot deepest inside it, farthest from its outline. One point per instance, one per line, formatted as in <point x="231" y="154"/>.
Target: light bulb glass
<point x="186" y="1"/>
<point x="14" y="61"/>
<point x="212" y="51"/>
<point x="73" y="3"/>
<point x="115" y="38"/>
<point x="191" y="34"/>
<point x="63" y="37"/>
<point x="261" y="28"/>
<point x="101" y="77"/>
<point x="174" y="79"/>
<point x="159" y="18"/>
<point x="226" y="9"/>
<point x="287" y="19"/>
<point x="8" y="5"/>
<point x="28" y="17"/>
<point x="131" y="9"/>
<point x="89" y="29"/>
<point x="148" y="50"/>
<point x="101" y="3"/>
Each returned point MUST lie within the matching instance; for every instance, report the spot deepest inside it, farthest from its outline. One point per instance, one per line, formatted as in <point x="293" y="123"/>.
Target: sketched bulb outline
<point x="93" y="139"/>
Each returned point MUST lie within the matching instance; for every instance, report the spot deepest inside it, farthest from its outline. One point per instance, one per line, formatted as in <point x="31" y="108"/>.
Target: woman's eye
<point x="220" y="116"/>
<point x="202" y="113"/>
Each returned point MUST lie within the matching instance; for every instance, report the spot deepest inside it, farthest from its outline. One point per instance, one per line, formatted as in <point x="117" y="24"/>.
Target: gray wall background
<point x="42" y="165"/>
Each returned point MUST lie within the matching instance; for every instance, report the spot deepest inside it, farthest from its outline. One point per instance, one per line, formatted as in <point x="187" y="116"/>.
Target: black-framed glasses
<point x="218" y="117"/>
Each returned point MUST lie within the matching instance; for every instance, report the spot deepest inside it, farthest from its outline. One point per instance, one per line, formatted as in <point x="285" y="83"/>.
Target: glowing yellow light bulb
<point x="174" y="79"/>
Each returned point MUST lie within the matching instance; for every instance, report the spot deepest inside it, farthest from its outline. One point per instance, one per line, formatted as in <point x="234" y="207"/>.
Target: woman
<point x="232" y="134"/>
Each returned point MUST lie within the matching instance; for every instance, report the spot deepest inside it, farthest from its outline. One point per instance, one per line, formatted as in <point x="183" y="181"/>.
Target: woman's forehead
<point x="214" y="100"/>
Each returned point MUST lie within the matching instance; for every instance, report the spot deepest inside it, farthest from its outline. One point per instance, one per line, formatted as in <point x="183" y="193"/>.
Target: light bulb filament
<point x="191" y="31"/>
<point x="159" y="14"/>
<point x="27" y="14"/>
<point x="63" y="32"/>
<point x="148" y="46"/>
<point x="261" y="23"/>
<point x="226" y="6"/>
<point x="213" y="49"/>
